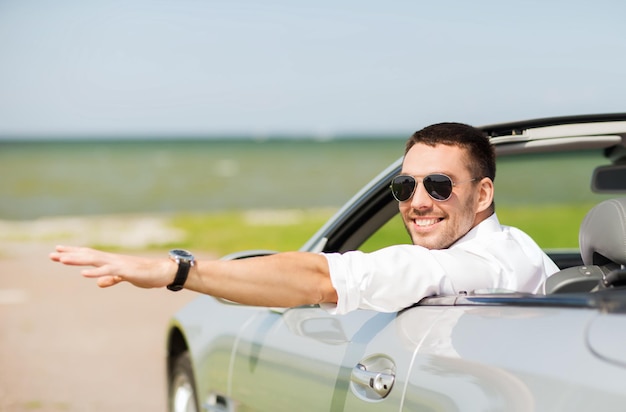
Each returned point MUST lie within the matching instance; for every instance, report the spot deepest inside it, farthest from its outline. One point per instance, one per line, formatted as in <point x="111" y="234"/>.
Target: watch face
<point x="181" y="254"/>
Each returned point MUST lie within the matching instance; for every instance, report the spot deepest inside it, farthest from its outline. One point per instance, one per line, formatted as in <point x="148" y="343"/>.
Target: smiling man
<point x="445" y="195"/>
<point x="445" y="156"/>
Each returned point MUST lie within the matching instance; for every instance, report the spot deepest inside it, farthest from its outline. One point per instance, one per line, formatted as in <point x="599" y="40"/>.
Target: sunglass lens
<point x="439" y="187"/>
<point x="402" y="187"/>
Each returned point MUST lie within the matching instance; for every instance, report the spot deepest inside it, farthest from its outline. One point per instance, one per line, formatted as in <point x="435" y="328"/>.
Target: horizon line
<point x="200" y="137"/>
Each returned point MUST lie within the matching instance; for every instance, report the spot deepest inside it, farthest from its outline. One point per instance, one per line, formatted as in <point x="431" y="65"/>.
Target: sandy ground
<point x="67" y="345"/>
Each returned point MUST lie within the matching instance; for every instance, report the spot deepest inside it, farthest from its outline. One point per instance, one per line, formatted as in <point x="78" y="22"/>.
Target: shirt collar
<point x="489" y="225"/>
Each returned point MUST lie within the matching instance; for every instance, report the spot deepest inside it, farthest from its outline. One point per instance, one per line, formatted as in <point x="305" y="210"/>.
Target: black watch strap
<point x="181" y="276"/>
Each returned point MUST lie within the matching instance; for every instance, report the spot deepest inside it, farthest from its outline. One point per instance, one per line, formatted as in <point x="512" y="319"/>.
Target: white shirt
<point x="490" y="256"/>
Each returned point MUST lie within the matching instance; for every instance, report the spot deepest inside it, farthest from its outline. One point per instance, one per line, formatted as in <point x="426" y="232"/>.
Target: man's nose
<point x="421" y="199"/>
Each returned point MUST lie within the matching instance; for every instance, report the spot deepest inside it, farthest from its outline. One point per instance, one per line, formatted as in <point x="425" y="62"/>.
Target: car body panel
<point x="606" y="336"/>
<point x="447" y="356"/>
<point x="467" y="361"/>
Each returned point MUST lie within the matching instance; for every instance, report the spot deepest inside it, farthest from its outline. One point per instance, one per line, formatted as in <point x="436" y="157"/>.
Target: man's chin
<point x="425" y="243"/>
<point x="429" y="242"/>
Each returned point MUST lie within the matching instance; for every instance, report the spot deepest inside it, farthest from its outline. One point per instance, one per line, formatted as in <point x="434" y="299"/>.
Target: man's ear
<point x="485" y="194"/>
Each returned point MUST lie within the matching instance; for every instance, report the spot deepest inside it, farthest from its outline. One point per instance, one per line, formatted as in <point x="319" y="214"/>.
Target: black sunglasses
<point x="437" y="185"/>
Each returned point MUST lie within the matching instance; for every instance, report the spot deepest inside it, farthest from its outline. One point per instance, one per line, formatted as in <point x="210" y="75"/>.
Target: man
<point x="445" y="194"/>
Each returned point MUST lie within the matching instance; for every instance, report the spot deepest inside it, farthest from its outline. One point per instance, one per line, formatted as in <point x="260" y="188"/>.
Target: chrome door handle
<point x="380" y="382"/>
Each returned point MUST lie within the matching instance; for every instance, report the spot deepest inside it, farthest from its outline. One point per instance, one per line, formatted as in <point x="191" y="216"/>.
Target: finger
<point x="99" y="272"/>
<point x="106" y="281"/>
<point x="66" y="248"/>
<point x="77" y="260"/>
<point x="59" y="251"/>
<point x="70" y="249"/>
<point x="81" y="256"/>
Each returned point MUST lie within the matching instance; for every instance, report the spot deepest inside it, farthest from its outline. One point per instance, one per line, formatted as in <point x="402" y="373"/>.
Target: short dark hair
<point x="481" y="159"/>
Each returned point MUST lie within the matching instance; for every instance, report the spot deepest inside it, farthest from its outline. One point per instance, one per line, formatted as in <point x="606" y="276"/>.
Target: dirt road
<point x="67" y="345"/>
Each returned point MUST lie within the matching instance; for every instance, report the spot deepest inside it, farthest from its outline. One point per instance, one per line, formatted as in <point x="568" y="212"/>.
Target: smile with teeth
<point x="426" y="222"/>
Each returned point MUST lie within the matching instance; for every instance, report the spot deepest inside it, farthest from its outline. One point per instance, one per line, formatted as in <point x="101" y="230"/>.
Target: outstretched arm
<point x="281" y="280"/>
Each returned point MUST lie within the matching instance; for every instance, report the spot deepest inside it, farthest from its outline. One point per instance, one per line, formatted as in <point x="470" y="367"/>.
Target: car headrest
<point x="602" y="236"/>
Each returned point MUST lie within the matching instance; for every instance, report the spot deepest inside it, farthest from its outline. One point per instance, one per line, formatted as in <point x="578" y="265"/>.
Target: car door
<point x="307" y="359"/>
<point x="511" y="352"/>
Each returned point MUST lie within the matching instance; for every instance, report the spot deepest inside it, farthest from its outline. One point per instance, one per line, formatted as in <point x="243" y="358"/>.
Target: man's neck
<point x="481" y="216"/>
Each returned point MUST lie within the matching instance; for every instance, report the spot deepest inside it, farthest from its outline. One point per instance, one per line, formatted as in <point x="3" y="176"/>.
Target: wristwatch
<point x="185" y="261"/>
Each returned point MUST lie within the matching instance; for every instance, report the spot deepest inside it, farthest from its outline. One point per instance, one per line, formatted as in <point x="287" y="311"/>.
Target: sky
<point x="325" y="67"/>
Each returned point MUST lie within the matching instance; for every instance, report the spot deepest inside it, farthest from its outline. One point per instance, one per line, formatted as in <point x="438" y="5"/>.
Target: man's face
<point x="438" y="224"/>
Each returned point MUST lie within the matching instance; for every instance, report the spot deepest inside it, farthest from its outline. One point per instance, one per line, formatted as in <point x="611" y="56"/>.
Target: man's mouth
<point x="426" y="222"/>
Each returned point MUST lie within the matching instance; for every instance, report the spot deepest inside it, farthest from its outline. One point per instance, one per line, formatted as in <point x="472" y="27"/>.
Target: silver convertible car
<point x="560" y="180"/>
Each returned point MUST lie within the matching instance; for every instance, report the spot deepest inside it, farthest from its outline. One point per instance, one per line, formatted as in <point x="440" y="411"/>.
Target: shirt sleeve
<point x="398" y="276"/>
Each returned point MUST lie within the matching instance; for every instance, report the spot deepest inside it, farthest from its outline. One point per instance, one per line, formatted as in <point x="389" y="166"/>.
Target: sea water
<point x="105" y="176"/>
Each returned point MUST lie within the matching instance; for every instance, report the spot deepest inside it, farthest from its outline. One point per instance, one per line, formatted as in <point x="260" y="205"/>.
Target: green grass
<point x="227" y="232"/>
<point x="552" y="226"/>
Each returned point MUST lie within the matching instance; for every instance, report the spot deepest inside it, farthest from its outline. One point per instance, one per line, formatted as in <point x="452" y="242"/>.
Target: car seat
<point x="602" y="243"/>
